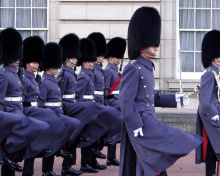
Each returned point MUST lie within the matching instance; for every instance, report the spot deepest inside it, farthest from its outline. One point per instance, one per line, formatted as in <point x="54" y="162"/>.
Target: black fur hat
<point x="210" y="47"/>
<point x="143" y="30"/>
<point x="33" y="50"/>
<point x="11" y="45"/>
<point x="100" y="43"/>
<point x="53" y="55"/>
<point x="88" y="51"/>
<point x="71" y="46"/>
<point x="116" y="48"/>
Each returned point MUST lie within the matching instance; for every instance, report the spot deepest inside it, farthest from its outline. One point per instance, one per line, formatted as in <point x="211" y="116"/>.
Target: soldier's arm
<point x="108" y="79"/>
<point x="81" y="86"/>
<point x="62" y="82"/>
<point x="167" y="100"/>
<point x="43" y="94"/>
<point x="128" y="91"/>
<point x="205" y="95"/>
<point x="3" y="89"/>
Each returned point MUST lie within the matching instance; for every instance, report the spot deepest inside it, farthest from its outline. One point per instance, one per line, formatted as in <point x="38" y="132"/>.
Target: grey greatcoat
<point x="209" y="106"/>
<point x="161" y="145"/>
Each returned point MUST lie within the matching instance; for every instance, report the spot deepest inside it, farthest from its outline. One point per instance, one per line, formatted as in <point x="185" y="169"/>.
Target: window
<point x="196" y="17"/>
<point x="29" y="17"/>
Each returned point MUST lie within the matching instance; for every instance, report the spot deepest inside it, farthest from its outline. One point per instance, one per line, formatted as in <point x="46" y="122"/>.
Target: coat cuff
<point x="133" y="121"/>
<point x="168" y="101"/>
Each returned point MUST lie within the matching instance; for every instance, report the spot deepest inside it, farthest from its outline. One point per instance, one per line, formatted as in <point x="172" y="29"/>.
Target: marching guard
<point x="50" y="91"/>
<point x="85" y="89"/>
<point x="114" y="134"/>
<point x="33" y="50"/>
<point x="207" y="124"/>
<point x="148" y="147"/>
<point x="27" y="129"/>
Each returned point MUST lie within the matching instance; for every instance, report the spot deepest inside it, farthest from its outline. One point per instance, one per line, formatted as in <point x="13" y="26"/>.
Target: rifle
<point x="121" y="65"/>
<point x="105" y="88"/>
<point x="38" y="80"/>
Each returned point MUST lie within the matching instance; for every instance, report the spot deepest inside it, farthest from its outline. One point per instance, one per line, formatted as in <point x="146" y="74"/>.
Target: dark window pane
<point x="203" y="3"/>
<point x="7" y="17"/>
<point x="186" y="3"/>
<point x="199" y="37"/>
<point x="7" y="3"/>
<point x="187" y="62"/>
<point x="23" y="3"/>
<point x="39" y="3"/>
<point x="198" y="63"/>
<point x="187" y="41"/>
<point x="203" y="19"/>
<point x="23" y="19"/>
<point x="39" y="18"/>
<point x="186" y="19"/>
<point x="215" y="19"/>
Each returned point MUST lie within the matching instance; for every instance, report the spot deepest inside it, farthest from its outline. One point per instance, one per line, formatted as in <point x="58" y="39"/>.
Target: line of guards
<point x="54" y="114"/>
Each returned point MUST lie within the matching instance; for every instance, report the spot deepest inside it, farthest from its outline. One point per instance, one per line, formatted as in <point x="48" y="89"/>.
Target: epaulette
<point x="132" y="61"/>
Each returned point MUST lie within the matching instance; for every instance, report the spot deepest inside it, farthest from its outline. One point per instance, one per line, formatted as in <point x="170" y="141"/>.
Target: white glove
<point x="185" y="98"/>
<point x="215" y="118"/>
<point x="138" y="131"/>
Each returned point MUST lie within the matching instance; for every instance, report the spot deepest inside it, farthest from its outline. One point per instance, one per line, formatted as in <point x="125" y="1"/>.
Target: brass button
<point x="152" y="104"/>
<point x="142" y="77"/>
<point x="144" y="86"/>
<point x="153" y="95"/>
<point x="147" y="96"/>
<point x="19" y="82"/>
<point x="147" y="105"/>
<point x="139" y="68"/>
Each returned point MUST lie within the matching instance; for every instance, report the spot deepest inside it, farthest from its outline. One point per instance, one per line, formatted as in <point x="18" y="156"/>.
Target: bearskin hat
<point x="53" y="55"/>
<point x="116" y="48"/>
<point x="33" y="50"/>
<point x="71" y="46"/>
<point x="210" y="47"/>
<point x="100" y="43"/>
<point x="88" y="51"/>
<point x="143" y="30"/>
<point x="11" y="45"/>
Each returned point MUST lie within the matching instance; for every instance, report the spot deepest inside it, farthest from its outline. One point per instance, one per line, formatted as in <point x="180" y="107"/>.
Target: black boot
<point x="49" y="173"/>
<point x="113" y="162"/>
<point x="99" y="166"/>
<point x="12" y="165"/>
<point x="67" y="171"/>
<point x="98" y="154"/>
<point x="88" y="169"/>
<point x="64" y="154"/>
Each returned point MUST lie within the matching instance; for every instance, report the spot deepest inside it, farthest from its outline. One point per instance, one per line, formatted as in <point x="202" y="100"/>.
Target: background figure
<point x="207" y="124"/>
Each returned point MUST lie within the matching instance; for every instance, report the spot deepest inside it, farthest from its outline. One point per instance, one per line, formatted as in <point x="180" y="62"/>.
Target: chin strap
<point x="149" y="52"/>
<point x="116" y="60"/>
<point x="100" y="59"/>
<point x="74" y="63"/>
<point x="90" y="64"/>
<point x="217" y="60"/>
<point x="32" y="65"/>
<point x="52" y="70"/>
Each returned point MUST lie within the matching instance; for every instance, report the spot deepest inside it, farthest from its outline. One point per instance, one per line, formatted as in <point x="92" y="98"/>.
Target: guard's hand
<point x="138" y="131"/>
<point x="215" y="118"/>
<point x="185" y="98"/>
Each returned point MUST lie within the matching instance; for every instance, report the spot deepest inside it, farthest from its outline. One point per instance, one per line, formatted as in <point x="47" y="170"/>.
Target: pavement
<point x="185" y="166"/>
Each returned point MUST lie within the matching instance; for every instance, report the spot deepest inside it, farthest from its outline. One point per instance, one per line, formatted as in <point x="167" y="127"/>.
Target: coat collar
<point x="69" y="69"/>
<point x="50" y="77"/>
<point x="10" y="68"/>
<point x="98" y="66"/>
<point x="29" y="74"/>
<point x="113" y="66"/>
<point x="215" y="68"/>
<point x="89" y="72"/>
<point x="146" y="62"/>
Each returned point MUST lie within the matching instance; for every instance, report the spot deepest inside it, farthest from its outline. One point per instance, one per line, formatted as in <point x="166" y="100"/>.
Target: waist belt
<point x="27" y="104"/>
<point x="69" y="96"/>
<point x="88" y="97"/>
<point x="53" y="104"/>
<point x="115" y="92"/>
<point x="13" y="99"/>
<point x="99" y="92"/>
